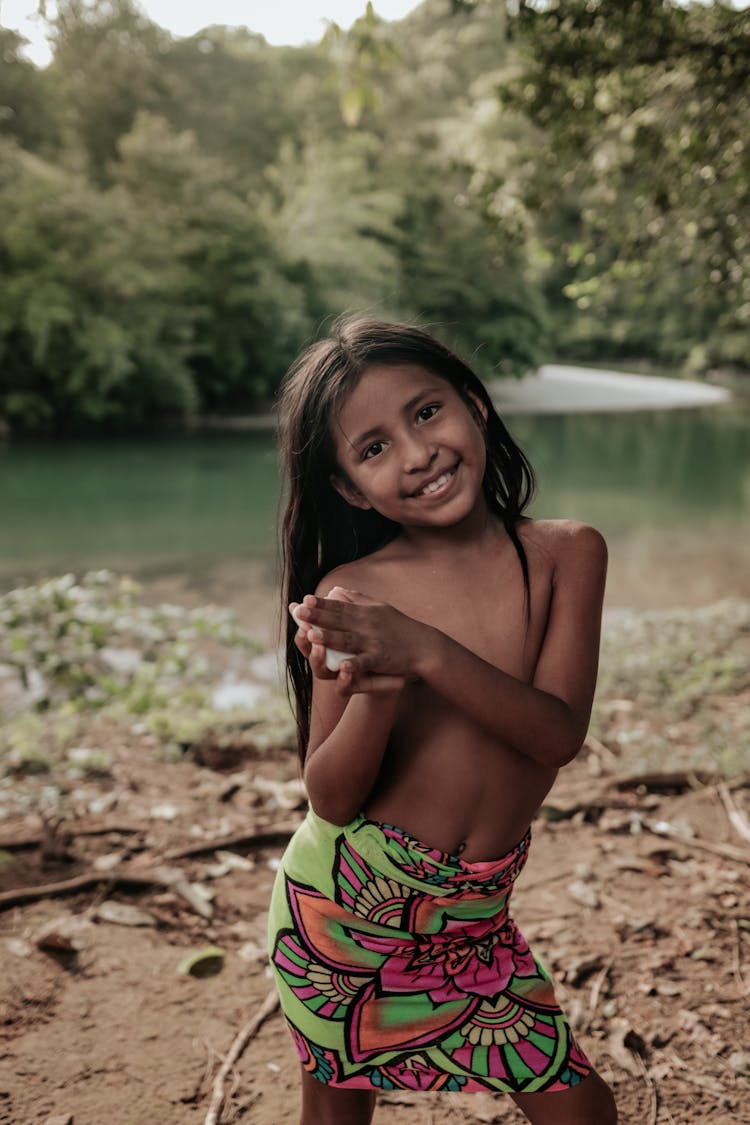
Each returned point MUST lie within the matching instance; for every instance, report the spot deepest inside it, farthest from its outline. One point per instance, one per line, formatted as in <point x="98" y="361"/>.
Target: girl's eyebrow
<point x="427" y="392"/>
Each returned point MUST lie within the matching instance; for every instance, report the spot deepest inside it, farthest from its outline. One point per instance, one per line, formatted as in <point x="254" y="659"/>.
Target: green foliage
<point x="106" y="68"/>
<point x="92" y="324"/>
<point x="26" y="107"/>
<point x="93" y="646"/>
<point x="180" y="216"/>
<point x="335" y="209"/>
<point x="363" y="58"/>
<point x="671" y="688"/>
<point x="85" y="644"/>
<point x="643" y="182"/>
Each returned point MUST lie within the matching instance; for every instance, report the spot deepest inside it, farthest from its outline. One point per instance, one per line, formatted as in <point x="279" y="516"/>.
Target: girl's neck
<point x="478" y="531"/>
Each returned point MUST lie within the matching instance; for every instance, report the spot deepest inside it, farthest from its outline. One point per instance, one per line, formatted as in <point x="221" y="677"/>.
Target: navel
<point x="460" y="847"/>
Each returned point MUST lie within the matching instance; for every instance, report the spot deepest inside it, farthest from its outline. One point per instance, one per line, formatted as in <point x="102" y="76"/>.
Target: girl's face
<point x="408" y="446"/>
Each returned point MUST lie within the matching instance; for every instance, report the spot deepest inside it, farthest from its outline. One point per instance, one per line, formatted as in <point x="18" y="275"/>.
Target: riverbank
<point x="567" y="389"/>
<point x="140" y="823"/>
<point x="553" y="389"/>
<point x="96" y="649"/>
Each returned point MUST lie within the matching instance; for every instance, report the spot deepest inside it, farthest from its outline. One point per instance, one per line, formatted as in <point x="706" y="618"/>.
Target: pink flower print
<point x="451" y="968"/>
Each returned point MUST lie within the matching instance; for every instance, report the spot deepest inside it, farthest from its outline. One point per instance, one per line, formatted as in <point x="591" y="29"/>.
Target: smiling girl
<point x="467" y="637"/>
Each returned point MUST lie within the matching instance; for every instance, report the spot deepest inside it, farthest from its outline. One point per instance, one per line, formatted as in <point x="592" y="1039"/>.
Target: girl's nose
<point x="418" y="454"/>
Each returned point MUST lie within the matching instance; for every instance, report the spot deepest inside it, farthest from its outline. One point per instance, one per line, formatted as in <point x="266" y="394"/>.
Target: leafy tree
<point x="107" y="66"/>
<point x="362" y="59"/>
<point x="643" y="180"/>
<point x="335" y="210"/>
<point x="460" y="275"/>
<point x="26" y="108"/>
<point x="247" y="303"/>
<point x="235" y="93"/>
<point x="92" y="323"/>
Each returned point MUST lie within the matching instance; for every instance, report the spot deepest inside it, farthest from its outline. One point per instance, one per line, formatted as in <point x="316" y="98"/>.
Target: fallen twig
<point x="652" y="1090"/>
<point x="596" y="746"/>
<point x="726" y="851"/>
<point x="596" y="987"/>
<point x="76" y="883"/>
<point x="10" y="842"/>
<point x="736" y="817"/>
<point x="241" y="1040"/>
<point x="149" y="876"/>
<point x="145" y="877"/>
<point x="665" y="780"/>
<point x="739" y="976"/>
<point x="268" y="838"/>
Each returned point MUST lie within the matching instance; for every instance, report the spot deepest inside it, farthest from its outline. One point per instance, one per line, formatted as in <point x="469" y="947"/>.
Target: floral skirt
<point x="398" y="966"/>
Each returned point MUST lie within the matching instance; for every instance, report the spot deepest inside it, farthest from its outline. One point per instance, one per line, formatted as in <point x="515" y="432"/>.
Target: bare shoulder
<point x="566" y="543"/>
<point x="361" y="574"/>
<point x="347" y="575"/>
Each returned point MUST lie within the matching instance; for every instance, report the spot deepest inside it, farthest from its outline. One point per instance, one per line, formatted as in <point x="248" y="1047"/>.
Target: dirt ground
<point x="647" y="935"/>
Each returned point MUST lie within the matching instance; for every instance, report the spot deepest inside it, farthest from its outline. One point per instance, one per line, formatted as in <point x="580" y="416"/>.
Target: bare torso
<point x="443" y="778"/>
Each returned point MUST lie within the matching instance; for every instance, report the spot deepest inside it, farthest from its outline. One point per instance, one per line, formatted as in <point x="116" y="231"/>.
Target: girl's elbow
<point x="332" y="811"/>
<point x="565" y="753"/>
<point x="569" y="736"/>
<point x="567" y="746"/>
<point x="329" y="804"/>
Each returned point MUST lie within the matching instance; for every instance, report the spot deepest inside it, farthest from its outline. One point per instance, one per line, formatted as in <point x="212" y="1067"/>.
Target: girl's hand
<point x="352" y="681"/>
<point x="382" y="641"/>
<point x="351" y="675"/>
<point x="315" y="654"/>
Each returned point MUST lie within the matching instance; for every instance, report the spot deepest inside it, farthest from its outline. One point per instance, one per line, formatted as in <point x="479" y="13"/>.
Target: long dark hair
<point x="320" y="530"/>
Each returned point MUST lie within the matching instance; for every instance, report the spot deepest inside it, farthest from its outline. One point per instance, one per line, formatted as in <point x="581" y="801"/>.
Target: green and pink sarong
<point x="398" y="966"/>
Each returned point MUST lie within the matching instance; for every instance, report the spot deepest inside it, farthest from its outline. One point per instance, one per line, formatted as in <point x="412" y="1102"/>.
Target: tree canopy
<point x="179" y="216"/>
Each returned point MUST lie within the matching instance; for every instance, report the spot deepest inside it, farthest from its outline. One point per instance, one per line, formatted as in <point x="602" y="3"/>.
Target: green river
<point x="192" y="516"/>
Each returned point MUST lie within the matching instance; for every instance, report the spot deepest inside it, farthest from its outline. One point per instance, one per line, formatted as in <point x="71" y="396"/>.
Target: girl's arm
<point x="348" y="734"/>
<point x="348" y="739"/>
<point x="545" y="720"/>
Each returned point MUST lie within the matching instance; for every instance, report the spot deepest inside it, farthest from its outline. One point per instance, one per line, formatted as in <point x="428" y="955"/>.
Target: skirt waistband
<point x="394" y="852"/>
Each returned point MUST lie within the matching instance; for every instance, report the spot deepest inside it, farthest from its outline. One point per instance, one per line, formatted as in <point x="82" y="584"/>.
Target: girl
<point x="467" y="638"/>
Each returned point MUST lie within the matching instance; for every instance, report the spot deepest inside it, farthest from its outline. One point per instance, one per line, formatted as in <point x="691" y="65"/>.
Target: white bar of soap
<point x="334" y="658"/>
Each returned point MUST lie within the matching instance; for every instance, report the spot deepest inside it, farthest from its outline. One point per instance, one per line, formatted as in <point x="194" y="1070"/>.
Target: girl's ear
<point x="349" y="493"/>
<point x="481" y="406"/>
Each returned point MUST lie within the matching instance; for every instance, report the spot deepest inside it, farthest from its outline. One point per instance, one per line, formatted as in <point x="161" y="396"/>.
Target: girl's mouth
<point x="439" y="484"/>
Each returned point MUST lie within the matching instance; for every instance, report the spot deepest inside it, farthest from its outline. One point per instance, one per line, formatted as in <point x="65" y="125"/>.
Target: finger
<point x="302" y="626"/>
<point x="339" y="594"/>
<point x="323" y="611"/>
<point x="345" y="678"/>
<point x="376" y="685"/>
<point x="338" y="600"/>
<point x="317" y="660"/>
<point x="342" y="640"/>
<point x="303" y="643"/>
<point x="344" y="594"/>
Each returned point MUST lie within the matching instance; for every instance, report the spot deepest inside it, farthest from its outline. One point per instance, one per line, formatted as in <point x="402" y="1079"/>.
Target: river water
<point x="192" y="516"/>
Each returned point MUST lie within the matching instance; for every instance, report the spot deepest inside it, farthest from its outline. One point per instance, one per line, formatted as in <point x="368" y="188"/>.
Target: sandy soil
<point x="648" y="938"/>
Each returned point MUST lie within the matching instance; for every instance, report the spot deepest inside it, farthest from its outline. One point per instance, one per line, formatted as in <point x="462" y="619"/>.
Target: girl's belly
<point x="447" y="784"/>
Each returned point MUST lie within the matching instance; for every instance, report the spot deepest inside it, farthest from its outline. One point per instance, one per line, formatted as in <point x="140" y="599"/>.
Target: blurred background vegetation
<point x="538" y="179"/>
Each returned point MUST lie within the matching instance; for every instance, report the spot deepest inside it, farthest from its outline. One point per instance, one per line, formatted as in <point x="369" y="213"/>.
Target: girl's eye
<point x="372" y="450"/>
<point x="426" y="412"/>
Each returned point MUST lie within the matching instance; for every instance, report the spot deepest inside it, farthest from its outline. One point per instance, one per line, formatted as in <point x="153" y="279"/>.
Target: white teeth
<point x="434" y="485"/>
